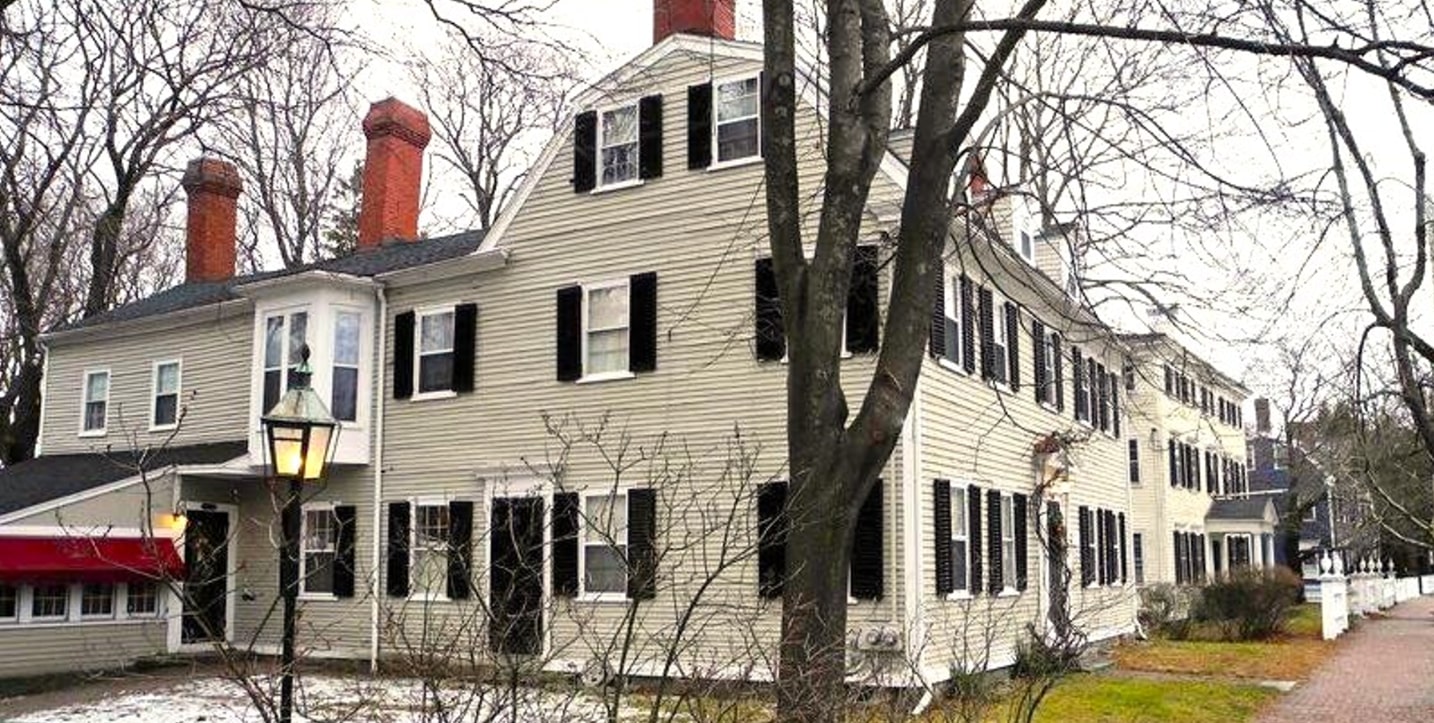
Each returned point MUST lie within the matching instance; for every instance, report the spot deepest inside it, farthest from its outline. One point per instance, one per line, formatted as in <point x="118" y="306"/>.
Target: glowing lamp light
<point x="300" y="430"/>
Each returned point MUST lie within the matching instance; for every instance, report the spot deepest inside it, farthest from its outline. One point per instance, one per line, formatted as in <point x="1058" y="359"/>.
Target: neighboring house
<point x="582" y="414"/>
<point x="1186" y="467"/>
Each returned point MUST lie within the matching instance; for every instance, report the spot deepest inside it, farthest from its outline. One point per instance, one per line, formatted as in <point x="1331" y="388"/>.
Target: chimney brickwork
<point x="213" y="188"/>
<point x="397" y="133"/>
<point x="710" y="18"/>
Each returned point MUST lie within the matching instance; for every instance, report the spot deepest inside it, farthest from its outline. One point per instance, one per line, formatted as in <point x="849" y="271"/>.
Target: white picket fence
<point x="1370" y="588"/>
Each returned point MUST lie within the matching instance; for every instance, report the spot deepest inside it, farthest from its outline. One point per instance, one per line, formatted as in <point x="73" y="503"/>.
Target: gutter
<point x="382" y="353"/>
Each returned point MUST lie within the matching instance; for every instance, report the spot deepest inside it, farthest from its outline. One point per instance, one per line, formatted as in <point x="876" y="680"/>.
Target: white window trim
<point x="583" y="543"/>
<point x="113" y="614"/>
<point x="962" y="592"/>
<point x="413" y="505"/>
<point x="588" y="377"/>
<point x="85" y="401"/>
<point x="304" y="511"/>
<point x="418" y="314"/>
<point x="154" y="392"/>
<point x="636" y="180"/>
<point x="717" y="83"/>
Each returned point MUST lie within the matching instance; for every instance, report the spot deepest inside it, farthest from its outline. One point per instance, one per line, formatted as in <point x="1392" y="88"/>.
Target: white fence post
<point x="1334" y="599"/>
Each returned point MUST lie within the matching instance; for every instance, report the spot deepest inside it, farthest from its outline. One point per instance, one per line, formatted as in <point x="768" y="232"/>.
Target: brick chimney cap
<point x="392" y="116"/>
<point x="212" y="175"/>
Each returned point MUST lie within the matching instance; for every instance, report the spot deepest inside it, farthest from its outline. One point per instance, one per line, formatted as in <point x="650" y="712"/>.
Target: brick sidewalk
<point x="1382" y="672"/>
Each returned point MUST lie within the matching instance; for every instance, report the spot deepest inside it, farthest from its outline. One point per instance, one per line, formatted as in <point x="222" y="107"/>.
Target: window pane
<point x="273" y="341"/>
<point x="436" y="332"/>
<point x="607" y="307"/>
<point x="166" y="409"/>
<point x="94" y="416"/>
<point x="97" y="599"/>
<point x="430" y="570"/>
<point x="737" y="139"/>
<point x="958" y="566"/>
<point x="607" y="351"/>
<point x="272" y="379"/>
<point x="435" y="372"/>
<point x="50" y="601"/>
<point x="143" y="598"/>
<point x="346" y="338"/>
<point x="97" y="387"/>
<point x="166" y="379"/>
<point x="619" y="126"/>
<point x="958" y="513"/>
<point x="737" y="100"/>
<point x="9" y="601"/>
<point x="319" y="572"/>
<point x="605" y="569"/>
<point x="298" y="336"/>
<point x="345" y="396"/>
<point x="432" y="525"/>
<point x="619" y="163"/>
<point x="606" y="517"/>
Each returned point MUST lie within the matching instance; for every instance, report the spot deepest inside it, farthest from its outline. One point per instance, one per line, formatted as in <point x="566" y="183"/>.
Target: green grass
<point x="1102" y="698"/>
<point x="1305" y="621"/>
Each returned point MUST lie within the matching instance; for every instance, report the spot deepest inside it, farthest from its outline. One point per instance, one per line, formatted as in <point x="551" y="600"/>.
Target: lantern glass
<point x="300" y="449"/>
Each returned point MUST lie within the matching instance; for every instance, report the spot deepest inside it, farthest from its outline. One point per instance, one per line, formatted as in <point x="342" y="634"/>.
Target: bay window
<point x="284" y="338"/>
<point x="343" y="398"/>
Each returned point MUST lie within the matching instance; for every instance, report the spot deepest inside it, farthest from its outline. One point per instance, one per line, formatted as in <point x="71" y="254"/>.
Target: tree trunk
<point x="22" y="412"/>
<point x="104" y="250"/>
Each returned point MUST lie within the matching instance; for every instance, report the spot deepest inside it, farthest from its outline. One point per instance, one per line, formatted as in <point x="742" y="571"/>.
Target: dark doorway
<point x="516" y="576"/>
<point x="206" y="579"/>
<point x="1058" y="568"/>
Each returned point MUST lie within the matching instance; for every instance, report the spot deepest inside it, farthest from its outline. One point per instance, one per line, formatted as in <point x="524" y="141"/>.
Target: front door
<point x="516" y="576"/>
<point x="206" y="579"/>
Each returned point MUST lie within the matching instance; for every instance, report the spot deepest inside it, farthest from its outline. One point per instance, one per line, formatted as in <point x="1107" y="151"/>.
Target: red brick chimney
<point x="213" y="188"/>
<point x="712" y="18"/>
<point x="392" y="173"/>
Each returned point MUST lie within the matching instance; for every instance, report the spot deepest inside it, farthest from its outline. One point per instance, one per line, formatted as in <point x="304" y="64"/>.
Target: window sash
<point x="429" y="557"/>
<point x="1137" y="549"/>
<point x="96" y="401"/>
<point x="607" y="336"/>
<point x="166" y="394"/>
<point x="1008" y="543"/>
<point x="318" y="551"/>
<point x="343" y="396"/>
<point x="97" y="600"/>
<point x="960" y="540"/>
<point x="736" y="127"/>
<point x="285" y="335"/>
<point x="618" y="155"/>
<point x="604" y="558"/>
<point x="434" y="349"/>
<point x="142" y="598"/>
<point x="1134" y="456"/>
<point x="50" y="602"/>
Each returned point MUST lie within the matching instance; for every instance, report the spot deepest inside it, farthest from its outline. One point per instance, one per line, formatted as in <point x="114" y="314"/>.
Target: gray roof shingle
<point x="392" y="257"/>
<point x="1248" y="508"/>
<point x="46" y="478"/>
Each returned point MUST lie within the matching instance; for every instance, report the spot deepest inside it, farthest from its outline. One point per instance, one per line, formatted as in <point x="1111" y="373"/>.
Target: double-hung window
<point x="738" y="125"/>
<point x="50" y="602"/>
<point x="1134" y="455"/>
<point x="1000" y="362"/>
<point x="604" y="553"/>
<point x="1051" y="350"/>
<point x="1137" y="550"/>
<point x="142" y="598"/>
<point x="435" y="351"/>
<point x="285" y="336"/>
<point x="960" y="540"/>
<point x="430" y="550"/>
<point x="9" y="603"/>
<point x="96" y="402"/>
<point x="97" y="600"/>
<point x="1008" y="543"/>
<point x="165" y="406"/>
<point x="605" y="328"/>
<point x="319" y="550"/>
<point x="617" y="134"/>
<point x="343" y="401"/>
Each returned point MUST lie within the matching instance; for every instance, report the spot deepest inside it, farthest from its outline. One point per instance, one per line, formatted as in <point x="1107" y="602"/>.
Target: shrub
<point x="1249" y="604"/>
<point x="1165" y="609"/>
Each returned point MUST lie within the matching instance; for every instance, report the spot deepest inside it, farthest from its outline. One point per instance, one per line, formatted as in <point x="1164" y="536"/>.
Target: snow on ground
<point x="325" y="698"/>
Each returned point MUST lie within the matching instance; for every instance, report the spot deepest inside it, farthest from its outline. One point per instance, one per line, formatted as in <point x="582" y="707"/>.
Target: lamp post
<point x="300" y="434"/>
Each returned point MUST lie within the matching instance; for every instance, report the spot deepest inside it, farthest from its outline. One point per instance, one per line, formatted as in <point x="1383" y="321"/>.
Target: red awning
<point x="88" y="559"/>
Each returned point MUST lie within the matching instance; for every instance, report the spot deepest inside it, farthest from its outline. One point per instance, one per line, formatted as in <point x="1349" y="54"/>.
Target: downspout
<point x="377" y="473"/>
<point x="911" y="564"/>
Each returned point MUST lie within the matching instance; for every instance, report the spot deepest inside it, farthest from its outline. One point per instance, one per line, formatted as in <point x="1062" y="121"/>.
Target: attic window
<point x="738" y="119"/>
<point x="1027" y="247"/>
<point x="618" y="133"/>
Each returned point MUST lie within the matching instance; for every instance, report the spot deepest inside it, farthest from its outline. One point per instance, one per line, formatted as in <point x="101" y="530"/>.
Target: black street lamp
<point x="300" y="434"/>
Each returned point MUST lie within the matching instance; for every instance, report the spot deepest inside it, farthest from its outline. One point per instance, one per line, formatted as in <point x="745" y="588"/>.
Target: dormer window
<point x="284" y="338"/>
<point x="1027" y="247"/>
<point x="618" y="145"/>
<point x="738" y="119"/>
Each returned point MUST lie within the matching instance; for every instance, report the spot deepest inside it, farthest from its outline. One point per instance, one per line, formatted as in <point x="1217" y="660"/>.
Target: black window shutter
<point x="1038" y="348"/>
<point x="1087" y="565"/>
<point x="585" y="152"/>
<point x="973" y="529"/>
<point x="771" y="539"/>
<point x="993" y="540"/>
<point x="862" y="319"/>
<point x="988" y="333"/>
<point x="941" y="517"/>
<point x="1179" y="570"/>
<point x="649" y="137"/>
<point x="346" y="516"/>
<point x="570" y="333"/>
<point x="968" y="326"/>
<point x="867" y="548"/>
<point x="460" y="549"/>
<point x="1018" y="520"/>
<point x="642" y="332"/>
<point x="641" y="544"/>
<point x="398" y="526"/>
<point x="1060" y="373"/>
<point x="771" y="338"/>
<point x="1078" y="377"/>
<point x="1101" y="383"/>
<point x="1174" y="471"/>
<point x="565" y="544"/>
<point x="403" y="355"/>
<point x="1120" y="521"/>
<point x="1115" y="403"/>
<point x="936" y="345"/>
<point x="465" y="346"/>
<point x="1013" y="346"/>
<point x="699" y="126"/>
